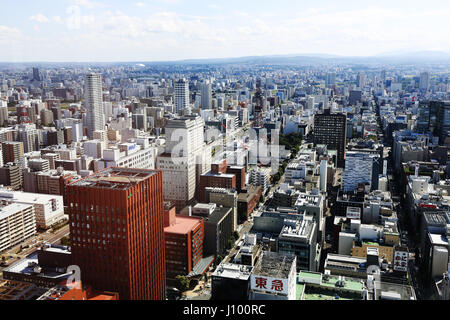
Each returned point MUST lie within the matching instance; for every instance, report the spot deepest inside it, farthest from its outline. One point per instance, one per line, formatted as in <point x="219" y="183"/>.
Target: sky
<point x="164" y="30"/>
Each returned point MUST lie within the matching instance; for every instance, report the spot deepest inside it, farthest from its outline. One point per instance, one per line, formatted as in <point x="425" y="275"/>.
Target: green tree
<point x="65" y="241"/>
<point x="219" y="260"/>
<point x="230" y="244"/>
<point x="236" y="235"/>
<point x="182" y="283"/>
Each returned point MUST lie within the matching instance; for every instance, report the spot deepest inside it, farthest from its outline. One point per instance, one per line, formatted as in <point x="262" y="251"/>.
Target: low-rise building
<point x="48" y="209"/>
<point x="17" y="223"/>
<point x="274" y="277"/>
<point x="231" y="282"/>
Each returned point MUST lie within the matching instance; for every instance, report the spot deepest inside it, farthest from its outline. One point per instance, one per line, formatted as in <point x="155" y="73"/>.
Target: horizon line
<point x="324" y="56"/>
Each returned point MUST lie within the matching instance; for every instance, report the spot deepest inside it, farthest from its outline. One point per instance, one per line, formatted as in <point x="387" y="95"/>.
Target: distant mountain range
<point x="307" y="59"/>
<point x="398" y="57"/>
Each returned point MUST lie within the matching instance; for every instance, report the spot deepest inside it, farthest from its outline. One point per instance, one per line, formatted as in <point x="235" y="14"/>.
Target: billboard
<point x="353" y="213"/>
<point x="401" y="261"/>
<point x="268" y="284"/>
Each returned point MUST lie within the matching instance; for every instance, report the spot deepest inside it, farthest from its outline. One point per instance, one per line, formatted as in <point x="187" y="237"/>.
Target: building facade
<point x="117" y="232"/>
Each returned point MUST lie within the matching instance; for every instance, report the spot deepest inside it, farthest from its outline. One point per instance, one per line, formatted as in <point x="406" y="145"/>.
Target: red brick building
<point x="219" y="167"/>
<point x="184" y="238"/>
<point x="117" y="232"/>
<point x="215" y="180"/>
<point x="239" y="172"/>
<point x="247" y="201"/>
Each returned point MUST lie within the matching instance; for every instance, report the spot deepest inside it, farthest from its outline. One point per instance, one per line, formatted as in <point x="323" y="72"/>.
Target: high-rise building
<point x="184" y="142"/>
<point x="330" y="129"/>
<point x="28" y="134"/>
<point x="3" y="114"/>
<point x="11" y="175"/>
<point x="36" y="74"/>
<point x="310" y="103"/>
<point x="439" y="119"/>
<point x="358" y="170"/>
<point x="181" y="95"/>
<point x="323" y="175"/>
<point x="355" y="96"/>
<point x="46" y="117"/>
<point x="424" y="83"/>
<point x="12" y="151"/>
<point x="361" y="80"/>
<point x="117" y="232"/>
<point x="94" y="103"/>
<point x="206" y="96"/>
<point x="383" y="76"/>
<point x="331" y="79"/>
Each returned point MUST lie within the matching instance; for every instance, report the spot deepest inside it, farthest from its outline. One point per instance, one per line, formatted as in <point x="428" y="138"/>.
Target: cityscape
<point x="253" y="176"/>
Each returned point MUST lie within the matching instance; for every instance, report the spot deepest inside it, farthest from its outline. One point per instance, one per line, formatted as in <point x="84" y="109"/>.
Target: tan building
<point x="385" y="252"/>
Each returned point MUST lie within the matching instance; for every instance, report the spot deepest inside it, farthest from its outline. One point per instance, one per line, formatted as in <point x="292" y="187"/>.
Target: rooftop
<point x="183" y="225"/>
<point x="115" y="178"/>
<point x="222" y="175"/>
<point x="233" y="271"/>
<point x="26" y="197"/>
<point x="437" y="239"/>
<point x="274" y="265"/>
<point x="27" y="265"/>
<point x="11" y="209"/>
<point x="436" y="218"/>
<point x="218" y="214"/>
<point x="17" y="290"/>
<point x="308" y="199"/>
<point x="393" y="291"/>
<point x="297" y="228"/>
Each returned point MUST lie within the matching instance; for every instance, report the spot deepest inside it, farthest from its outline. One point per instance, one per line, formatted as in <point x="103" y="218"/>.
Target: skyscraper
<point x="36" y="74"/>
<point x="424" y="83"/>
<point x="206" y="96"/>
<point x="330" y="129"/>
<point x="94" y="103"/>
<point x="361" y="80"/>
<point x="442" y="111"/>
<point x="181" y="95"/>
<point x="331" y="79"/>
<point x="117" y="232"/>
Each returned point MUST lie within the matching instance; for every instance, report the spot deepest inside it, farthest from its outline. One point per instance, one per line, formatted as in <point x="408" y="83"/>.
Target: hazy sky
<point x="155" y="30"/>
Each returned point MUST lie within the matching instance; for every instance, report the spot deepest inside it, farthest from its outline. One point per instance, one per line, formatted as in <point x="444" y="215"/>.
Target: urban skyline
<point x="178" y="172"/>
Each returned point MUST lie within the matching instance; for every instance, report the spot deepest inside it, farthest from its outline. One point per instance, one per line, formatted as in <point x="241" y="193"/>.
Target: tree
<point x="230" y="244"/>
<point x="65" y="241"/>
<point x="182" y="283"/>
<point x="219" y="260"/>
<point x="236" y="235"/>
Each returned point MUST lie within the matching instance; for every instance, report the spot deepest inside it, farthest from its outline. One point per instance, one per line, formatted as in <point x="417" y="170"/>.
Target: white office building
<point x="358" y="169"/>
<point x="94" y="103"/>
<point x="48" y="209"/>
<point x="179" y="163"/>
